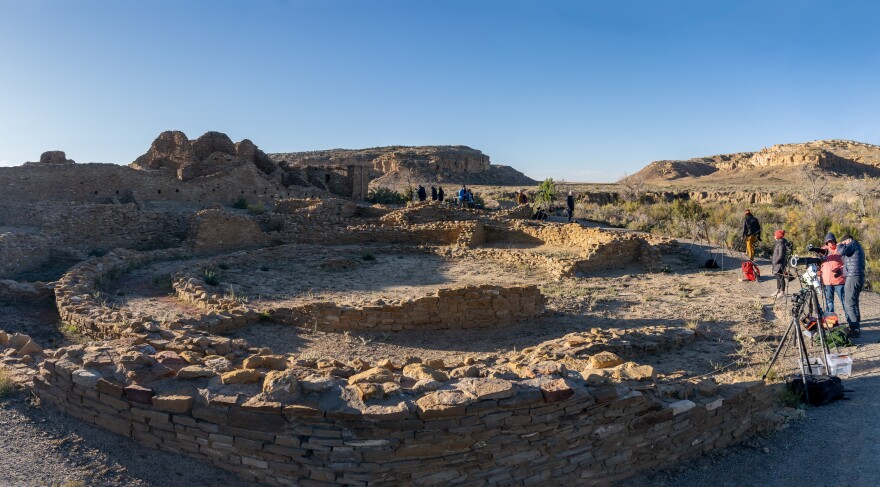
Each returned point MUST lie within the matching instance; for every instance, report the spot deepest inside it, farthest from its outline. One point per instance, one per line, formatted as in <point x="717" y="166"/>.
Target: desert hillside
<point x="832" y="157"/>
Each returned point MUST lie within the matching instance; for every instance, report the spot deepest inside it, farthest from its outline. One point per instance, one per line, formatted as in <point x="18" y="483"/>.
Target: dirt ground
<point x="735" y="325"/>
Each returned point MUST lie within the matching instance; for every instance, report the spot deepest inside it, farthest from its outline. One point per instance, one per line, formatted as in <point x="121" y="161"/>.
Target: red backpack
<point x="750" y="271"/>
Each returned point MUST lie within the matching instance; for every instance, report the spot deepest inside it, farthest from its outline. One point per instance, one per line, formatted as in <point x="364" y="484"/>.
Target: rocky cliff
<point x="210" y="154"/>
<point x="398" y="165"/>
<point x="835" y="157"/>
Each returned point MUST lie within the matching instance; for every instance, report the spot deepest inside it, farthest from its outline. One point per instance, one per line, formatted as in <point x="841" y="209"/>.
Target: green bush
<point x="211" y="278"/>
<point x="257" y="209"/>
<point x="387" y="196"/>
<point x="240" y="203"/>
<point x="546" y="193"/>
<point x="368" y="256"/>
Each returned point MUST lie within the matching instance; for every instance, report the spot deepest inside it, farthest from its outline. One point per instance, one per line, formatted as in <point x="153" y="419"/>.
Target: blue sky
<point x="582" y="91"/>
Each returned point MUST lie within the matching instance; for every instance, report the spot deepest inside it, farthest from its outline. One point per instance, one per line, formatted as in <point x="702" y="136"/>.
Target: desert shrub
<point x="368" y="256"/>
<point x="7" y="386"/>
<point x="241" y="203"/>
<point x="223" y="266"/>
<point x="546" y="193"/>
<point x="257" y="209"/>
<point x="386" y="196"/>
<point x="479" y="202"/>
<point x="210" y="277"/>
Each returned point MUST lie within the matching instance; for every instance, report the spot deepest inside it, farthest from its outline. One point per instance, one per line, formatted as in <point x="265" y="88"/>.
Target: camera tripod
<point x="807" y="296"/>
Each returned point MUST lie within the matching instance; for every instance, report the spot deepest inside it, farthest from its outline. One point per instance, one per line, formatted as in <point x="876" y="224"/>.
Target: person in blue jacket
<point x="854" y="270"/>
<point x="462" y="195"/>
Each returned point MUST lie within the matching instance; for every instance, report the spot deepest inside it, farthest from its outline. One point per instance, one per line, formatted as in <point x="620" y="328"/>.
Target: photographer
<point x="831" y="272"/>
<point x="780" y="251"/>
<point x="751" y="233"/>
<point x="854" y="269"/>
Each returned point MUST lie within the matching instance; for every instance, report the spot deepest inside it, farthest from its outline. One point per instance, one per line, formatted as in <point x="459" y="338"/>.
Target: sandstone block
<point x="631" y="371"/>
<point x="682" y="406"/>
<point x="86" y="378"/>
<point x="487" y="388"/>
<point x="443" y="404"/>
<point x="139" y="394"/>
<point x="420" y="371"/>
<point x="604" y="360"/>
<point x="173" y="403"/>
<point x="240" y="376"/>
<point x="30" y="348"/>
<point x="317" y="383"/>
<point x="556" y="390"/>
<point x="274" y="362"/>
<point x="376" y="375"/>
<point x="280" y="385"/>
<point x="195" y="372"/>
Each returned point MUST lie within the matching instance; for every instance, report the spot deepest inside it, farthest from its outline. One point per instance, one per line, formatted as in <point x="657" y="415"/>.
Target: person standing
<point x="780" y="249"/>
<point x="569" y="205"/>
<point x="751" y="233"/>
<point x="854" y="270"/>
<point x="440" y="194"/>
<point x="433" y="193"/>
<point x="422" y="194"/>
<point x="462" y="195"/>
<point x="831" y="273"/>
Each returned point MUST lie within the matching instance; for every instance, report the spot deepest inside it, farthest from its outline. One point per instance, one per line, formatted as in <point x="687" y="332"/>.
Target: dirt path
<point x="833" y="445"/>
<point x="42" y="447"/>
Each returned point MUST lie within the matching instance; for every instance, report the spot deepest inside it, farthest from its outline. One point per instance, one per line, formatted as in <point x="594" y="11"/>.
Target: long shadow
<point x="117" y="460"/>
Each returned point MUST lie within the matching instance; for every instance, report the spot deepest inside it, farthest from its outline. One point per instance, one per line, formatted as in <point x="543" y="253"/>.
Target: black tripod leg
<point x="778" y="349"/>
<point x="805" y="359"/>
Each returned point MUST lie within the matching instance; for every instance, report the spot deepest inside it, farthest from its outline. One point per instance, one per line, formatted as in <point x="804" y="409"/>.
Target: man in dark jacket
<point x="433" y="193"/>
<point x="440" y="193"/>
<point x="854" y="269"/>
<point x="780" y="251"/>
<point x="422" y="194"/>
<point x="569" y="205"/>
<point x="751" y="233"/>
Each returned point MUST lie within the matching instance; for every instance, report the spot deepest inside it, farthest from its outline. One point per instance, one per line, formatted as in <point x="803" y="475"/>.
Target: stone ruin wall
<point x="98" y="183"/>
<point x="528" y="435"/>
<point x="341" y="424"/>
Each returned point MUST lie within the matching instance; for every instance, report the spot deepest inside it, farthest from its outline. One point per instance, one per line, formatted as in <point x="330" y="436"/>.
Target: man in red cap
<point x="780" y="249"/>
<point x="751" y="233"/>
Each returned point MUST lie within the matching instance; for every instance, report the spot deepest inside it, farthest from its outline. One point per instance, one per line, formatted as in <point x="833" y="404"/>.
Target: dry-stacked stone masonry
<point x="568" y="410"/>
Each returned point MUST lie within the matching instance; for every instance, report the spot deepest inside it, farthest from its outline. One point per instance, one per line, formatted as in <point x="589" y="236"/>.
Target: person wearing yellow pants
<point x="751" y="233"/>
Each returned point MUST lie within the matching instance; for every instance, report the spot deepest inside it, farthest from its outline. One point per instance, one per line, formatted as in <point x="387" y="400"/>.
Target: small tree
<point x="632" y="188"/>
<point x="546" y="193"/>
<point x="863" y="189"/>
<point x="816" y="188"/>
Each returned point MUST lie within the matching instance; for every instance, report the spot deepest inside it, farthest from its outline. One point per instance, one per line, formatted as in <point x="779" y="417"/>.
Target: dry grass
<point x="7" y="385"/>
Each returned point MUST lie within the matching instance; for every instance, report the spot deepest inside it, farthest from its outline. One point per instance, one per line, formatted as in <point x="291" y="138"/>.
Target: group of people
<point x="436" y="193"/>
<point x="842" y="272"/>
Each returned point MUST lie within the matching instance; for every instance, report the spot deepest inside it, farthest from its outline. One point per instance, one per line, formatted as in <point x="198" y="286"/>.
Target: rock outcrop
<point x="396" y="165"/>
<point x="836" y="157"/>
<point x="55" y="157"/>
<point x="212" y="153"/>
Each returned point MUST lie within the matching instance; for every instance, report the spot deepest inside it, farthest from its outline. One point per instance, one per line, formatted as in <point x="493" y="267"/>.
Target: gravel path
<point x="834" y="445"/>
<point x="40" y="447"/>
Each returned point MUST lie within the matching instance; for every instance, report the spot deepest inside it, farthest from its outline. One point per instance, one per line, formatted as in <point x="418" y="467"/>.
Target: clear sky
<point x="582" y="91"/>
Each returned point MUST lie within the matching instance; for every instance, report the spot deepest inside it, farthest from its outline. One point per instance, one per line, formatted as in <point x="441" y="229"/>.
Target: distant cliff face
<point x="842" y="157"/>
<point x="396" y="165"/>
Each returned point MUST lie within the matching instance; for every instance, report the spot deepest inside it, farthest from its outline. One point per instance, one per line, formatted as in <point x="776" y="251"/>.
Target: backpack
<point x="822" y="388"/>
<point x="750" y="271"/>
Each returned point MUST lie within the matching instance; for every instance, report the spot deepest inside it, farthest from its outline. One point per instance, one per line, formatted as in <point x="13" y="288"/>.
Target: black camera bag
<point x="823" y="389"/>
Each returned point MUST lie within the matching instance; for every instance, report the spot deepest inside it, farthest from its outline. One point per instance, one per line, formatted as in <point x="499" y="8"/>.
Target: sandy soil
<point x="344" y="276"/>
